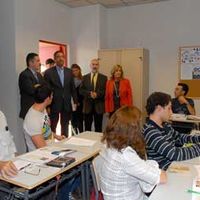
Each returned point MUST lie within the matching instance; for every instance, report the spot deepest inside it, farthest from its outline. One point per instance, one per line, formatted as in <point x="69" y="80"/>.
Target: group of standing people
<point x="81" y="99"/>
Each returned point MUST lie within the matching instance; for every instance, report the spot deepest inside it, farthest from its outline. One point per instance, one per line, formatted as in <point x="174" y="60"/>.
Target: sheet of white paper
<point x="39" y="156"/>
<point x="80" y="142"/>
<point x="19" y="164"/>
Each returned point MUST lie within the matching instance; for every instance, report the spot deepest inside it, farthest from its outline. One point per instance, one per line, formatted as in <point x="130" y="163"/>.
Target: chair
<point x="94" y="168"/>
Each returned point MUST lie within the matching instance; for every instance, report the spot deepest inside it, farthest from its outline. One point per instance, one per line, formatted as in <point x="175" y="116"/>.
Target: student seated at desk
<point x="125" y="173"/>
<point x="163" y="143"/>
<point x="182" y="105"/>
<point x="37" y="130"/>
<point x="37" y="127"/>
<point x="7" y="149"/>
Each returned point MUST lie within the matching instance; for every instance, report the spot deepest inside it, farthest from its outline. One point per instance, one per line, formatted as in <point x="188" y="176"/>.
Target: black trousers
<point x="97" y="118"/>
<point x="64" y="121"/>
<point x="77" y="120"/>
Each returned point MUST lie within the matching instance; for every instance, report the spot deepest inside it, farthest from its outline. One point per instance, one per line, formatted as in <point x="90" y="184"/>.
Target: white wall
<point x="161" y="28"/>
<point x="85" y="35"/>
<point x="8" y="76"/>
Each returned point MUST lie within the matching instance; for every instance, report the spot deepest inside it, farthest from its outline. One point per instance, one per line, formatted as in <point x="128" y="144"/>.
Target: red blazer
<point x="125" y="94"/>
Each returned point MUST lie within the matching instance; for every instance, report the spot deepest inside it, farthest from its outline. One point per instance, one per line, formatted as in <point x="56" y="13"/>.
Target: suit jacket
<point x="61" y="94"/>
<point x="125" y="94"/>
<point x="26" y="82"/>
<point x="86" y="88"/>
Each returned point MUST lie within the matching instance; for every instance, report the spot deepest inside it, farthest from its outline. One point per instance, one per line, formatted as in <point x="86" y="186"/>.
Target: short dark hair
<point x="57" y="52"/>
<point x="49" y="61"/>
<point x="41" y="93"/>
<point x="30" y="57"/>
<point x="185" y="87"/>
<point x="155" y="99"/>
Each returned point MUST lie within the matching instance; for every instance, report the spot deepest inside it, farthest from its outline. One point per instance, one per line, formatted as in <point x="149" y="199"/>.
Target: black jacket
<point x="86" y="88"/>
<point x="27" y="81"/>
<point x="61" y="94"/>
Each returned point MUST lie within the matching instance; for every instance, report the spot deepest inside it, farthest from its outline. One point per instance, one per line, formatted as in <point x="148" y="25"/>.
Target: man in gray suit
<point x="93" y="89"/>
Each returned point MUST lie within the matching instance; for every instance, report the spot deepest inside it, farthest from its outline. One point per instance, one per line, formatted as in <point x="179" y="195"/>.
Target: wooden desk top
<point x="46" y="173"/>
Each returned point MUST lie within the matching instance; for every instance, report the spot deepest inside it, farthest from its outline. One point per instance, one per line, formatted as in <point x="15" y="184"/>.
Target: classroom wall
<point x="85" y="35"/>
<point x="8" y="75"/>
<point x="161" y="28"/>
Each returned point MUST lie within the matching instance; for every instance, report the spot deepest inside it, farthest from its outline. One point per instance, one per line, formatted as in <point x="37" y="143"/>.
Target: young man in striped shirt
<point x="163" y="143"/>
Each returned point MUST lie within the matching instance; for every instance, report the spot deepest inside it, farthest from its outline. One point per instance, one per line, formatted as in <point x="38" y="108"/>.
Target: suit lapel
<point x="98" y="82"/>
<point x="65" y="75"/>
<point x="32" y="76"/>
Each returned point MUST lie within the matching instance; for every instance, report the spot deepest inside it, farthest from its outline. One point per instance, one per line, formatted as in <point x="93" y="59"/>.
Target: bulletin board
<point x="189" y="69"/>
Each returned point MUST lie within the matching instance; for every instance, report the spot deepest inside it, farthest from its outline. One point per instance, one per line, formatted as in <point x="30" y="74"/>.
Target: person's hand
<point x="163" y="177"/>
<point x="59" y="137"/>
<point x="93" y="95"/>
<point x="182" y="100"/>
<point x="8" y="169"/>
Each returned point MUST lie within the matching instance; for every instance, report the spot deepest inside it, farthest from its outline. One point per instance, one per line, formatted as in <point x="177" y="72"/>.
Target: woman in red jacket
<point x="118" y="91"/>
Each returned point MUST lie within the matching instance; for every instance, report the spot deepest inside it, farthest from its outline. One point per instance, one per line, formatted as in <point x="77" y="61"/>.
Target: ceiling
<point x="105" y="3"/>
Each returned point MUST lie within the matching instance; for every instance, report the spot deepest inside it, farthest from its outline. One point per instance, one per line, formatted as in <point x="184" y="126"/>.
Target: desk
<point x="83" y="154"/>
<point x="177" y="184"/>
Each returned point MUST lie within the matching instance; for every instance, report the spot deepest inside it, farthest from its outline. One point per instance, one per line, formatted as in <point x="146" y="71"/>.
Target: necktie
<point x="93" y="83"/>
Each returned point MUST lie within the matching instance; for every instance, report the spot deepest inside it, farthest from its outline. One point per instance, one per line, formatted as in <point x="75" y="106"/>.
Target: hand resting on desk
<point x="8" y="169"/>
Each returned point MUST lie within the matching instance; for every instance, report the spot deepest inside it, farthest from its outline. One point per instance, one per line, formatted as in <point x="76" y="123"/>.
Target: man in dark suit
<point x="61" y="81"/>
<point x="28" y="81"/>
<point x="93" y="89"/>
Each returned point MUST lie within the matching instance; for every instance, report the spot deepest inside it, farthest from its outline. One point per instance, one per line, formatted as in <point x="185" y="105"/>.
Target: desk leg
<point x="87" y="179"/>
<point x="83" y="189"/>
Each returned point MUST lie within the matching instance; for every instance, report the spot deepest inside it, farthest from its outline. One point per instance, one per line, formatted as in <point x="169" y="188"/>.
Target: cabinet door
<point x="131" y="61"/>
<point x="107" y="59"/>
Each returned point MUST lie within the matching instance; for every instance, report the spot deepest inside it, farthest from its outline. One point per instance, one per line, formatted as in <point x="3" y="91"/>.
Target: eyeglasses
<point x="32" y="170"/>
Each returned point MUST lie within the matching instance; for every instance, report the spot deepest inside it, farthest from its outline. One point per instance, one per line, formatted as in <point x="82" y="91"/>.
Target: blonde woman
<point x="118" y="90"/>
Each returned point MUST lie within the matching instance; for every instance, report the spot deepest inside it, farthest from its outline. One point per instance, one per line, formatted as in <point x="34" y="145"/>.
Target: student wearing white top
<point x="37" y="127"/>
<point x="7" y="149"/>
<point x="125" y="173"/>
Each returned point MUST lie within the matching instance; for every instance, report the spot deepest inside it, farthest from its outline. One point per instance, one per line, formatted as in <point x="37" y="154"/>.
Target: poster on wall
<point x="190" y="63"/>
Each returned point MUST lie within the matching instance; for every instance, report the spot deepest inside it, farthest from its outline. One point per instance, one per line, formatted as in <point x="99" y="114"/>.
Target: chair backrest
<point x="95" y="168"/>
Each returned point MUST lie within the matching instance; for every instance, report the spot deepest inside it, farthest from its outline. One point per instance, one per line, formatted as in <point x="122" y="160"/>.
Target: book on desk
<point x="61" y="161"/>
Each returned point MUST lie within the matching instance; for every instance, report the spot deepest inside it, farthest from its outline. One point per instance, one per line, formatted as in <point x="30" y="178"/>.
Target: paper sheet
<point x="80" y="142"/>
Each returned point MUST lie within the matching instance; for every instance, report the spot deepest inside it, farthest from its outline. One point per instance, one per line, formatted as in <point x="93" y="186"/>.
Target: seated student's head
<point x="43" y="95"/>
<point x="159" y="106"/>
<point x="123" y="130"/>
<point x="181" y="90"/>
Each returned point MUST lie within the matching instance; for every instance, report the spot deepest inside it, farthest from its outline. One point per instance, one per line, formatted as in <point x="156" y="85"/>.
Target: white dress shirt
<point x="125" y="176"/>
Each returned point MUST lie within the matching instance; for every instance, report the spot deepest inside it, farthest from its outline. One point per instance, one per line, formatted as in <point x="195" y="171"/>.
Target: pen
<point x="24" y="167"/>
<point x="192" y="191"/>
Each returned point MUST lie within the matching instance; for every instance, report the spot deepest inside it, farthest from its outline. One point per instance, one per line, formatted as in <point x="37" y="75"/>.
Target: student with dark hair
<point x="125" y="173"/>
<point x="28" y="80"/>
<point x="60" y="80"/>
<point x="163" y="143"/>
<point x="181" y="104"/>
<point x="37" y="128"/>
<point x="77" y="114"/>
